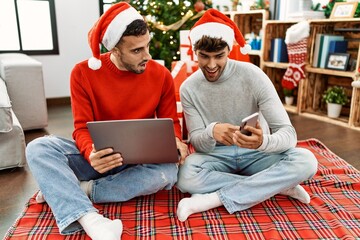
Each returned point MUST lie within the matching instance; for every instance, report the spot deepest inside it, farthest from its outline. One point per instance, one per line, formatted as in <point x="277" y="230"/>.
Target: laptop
<point x="139" y="141"/>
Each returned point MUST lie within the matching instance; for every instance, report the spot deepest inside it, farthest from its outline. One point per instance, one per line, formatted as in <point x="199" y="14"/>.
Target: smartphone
<point x="251" y="121"/>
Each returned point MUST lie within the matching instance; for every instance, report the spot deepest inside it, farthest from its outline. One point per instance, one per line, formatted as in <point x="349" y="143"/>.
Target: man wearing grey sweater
<point x="229" y="168"/>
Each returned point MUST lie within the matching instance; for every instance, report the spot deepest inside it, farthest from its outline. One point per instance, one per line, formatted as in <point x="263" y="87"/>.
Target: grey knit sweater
<point x="241" y="90"/>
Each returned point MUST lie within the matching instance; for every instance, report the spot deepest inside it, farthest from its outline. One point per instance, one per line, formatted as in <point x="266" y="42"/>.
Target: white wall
<point x="74" y="18"/>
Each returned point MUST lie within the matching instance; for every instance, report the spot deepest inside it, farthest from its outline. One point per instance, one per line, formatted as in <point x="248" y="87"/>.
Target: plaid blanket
<point x="334" y="212"/>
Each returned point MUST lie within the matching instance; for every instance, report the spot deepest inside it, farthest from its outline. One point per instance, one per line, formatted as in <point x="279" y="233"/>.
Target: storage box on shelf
<point x="276" y="70"/>
<point x="248" y="22"/>
<point x="319" y="79"/>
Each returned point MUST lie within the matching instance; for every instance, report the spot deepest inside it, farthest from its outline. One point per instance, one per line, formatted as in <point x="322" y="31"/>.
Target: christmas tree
<point x="165" y="19"/>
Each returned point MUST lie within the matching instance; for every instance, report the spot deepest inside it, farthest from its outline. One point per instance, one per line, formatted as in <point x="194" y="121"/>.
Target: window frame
<point x="55" y="41"/>
<point x="101" y="6"/>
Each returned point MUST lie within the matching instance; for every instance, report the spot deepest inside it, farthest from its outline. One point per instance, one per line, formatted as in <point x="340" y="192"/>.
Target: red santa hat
<point x="216" y="25"/>
<point x="109" y="29"/>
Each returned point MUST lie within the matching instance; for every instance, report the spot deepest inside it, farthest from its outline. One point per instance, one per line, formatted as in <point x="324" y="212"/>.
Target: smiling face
<point x="132" y="53"/>
<point x="212" y="56"/>
<point x="212" y="64"/>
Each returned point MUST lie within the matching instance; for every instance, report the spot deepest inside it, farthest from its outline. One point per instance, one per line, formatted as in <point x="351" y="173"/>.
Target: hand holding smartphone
<point x="251" y="121"/>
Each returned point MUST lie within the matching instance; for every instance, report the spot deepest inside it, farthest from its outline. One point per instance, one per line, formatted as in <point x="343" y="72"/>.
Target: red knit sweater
<point x="112" y="94"/>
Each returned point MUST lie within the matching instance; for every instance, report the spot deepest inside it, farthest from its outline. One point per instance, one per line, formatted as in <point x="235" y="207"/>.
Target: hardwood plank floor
<point x="18" y="185"/>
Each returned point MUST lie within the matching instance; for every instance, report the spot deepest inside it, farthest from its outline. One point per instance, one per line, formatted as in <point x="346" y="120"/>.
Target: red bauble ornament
<point x="199" y="6"/>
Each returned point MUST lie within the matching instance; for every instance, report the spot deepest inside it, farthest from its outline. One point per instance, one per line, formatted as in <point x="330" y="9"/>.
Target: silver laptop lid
<point x="139" y="141"/>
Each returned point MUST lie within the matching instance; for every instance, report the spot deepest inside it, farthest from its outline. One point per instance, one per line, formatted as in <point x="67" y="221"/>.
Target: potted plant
<point x="335" y="97"/>
<point x="289" y="96"/>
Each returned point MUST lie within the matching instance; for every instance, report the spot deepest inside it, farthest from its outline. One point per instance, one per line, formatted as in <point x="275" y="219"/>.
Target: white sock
<point x="298" y="193"/>
<point x="197" y="203"/>
<point x="40" y="197"/>
<point x="97" y="227"/>
<point x="84" y="185"/>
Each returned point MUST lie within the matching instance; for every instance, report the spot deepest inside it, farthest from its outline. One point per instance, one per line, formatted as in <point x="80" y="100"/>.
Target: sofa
<point x="22" y="105"/>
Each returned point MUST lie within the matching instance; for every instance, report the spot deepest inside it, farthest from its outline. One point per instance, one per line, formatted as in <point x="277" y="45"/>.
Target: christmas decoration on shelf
<point x="261" y="4"/>
<point x="166" y="19"/>
<point x="246" y="5"/>
<point x="329" y="7"/>
<point x="296" y="43"/>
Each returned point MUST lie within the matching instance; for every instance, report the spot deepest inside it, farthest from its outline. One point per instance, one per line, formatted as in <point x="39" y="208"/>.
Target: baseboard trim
<point x="58" y="101"/>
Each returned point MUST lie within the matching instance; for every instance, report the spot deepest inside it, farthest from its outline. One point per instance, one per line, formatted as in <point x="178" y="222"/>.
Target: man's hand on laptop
<point x="105" y="160"/>
<point x="183" y="149"/>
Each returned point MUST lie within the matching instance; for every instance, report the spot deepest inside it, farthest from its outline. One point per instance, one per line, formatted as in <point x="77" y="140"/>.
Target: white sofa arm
<point x="12" y="139"/>
<point x="6" y="121"/>
<point x="24" y="81"/>
<point x="12" y="146"/>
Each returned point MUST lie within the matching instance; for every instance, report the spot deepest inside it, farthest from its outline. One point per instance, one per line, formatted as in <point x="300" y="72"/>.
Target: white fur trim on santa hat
<point x="214" y="30"/>
<point x="118" y="26"/>
<point x="297" y="32"/>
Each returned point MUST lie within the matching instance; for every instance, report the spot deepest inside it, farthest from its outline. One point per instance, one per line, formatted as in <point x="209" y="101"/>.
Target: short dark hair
<point x="137" y="28"/>
<point x="210" y="44"/>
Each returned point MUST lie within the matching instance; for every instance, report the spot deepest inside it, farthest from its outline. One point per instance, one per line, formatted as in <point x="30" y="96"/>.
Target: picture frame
<point x="343" y="10"/>
<point x="338" y="61"/>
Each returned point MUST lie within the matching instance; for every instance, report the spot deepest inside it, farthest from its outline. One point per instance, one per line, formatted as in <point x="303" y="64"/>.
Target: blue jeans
<point x="242" y="177"/>
<point x="58" y="168"/>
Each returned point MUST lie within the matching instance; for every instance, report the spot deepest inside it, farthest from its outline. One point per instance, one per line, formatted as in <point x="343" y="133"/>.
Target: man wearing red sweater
<point x="121" y="84"/>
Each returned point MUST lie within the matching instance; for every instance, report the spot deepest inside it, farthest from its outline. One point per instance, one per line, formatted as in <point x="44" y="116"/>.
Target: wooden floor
<point x="18" y="185"/>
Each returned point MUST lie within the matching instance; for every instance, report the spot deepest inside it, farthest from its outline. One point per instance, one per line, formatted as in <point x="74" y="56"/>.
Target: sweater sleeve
<point x="201" y="136"/>
<point x="82" y="112"/>
<point x="283" y="135"/>
<point x="201" y="133"/>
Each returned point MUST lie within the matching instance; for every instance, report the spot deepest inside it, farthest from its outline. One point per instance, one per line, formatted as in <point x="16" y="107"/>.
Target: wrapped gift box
<point x="185" y="46"/>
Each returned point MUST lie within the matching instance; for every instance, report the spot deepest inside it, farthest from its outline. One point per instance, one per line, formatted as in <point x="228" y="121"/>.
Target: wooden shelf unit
<point x="319" y="79"/>
<point x="251" y="21"/>
<point x="276" y="70"/>
<point x="309" y="94"/>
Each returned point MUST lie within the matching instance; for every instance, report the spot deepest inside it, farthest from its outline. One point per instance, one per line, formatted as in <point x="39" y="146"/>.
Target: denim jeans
<point x="58" y="168"/>
<point x="242" y="177"/>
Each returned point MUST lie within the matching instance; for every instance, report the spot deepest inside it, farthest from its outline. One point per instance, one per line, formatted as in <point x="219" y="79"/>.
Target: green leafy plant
<point x="335" y="94"/>
<point x="328" y="7"/>
<point x="288" y="92"/>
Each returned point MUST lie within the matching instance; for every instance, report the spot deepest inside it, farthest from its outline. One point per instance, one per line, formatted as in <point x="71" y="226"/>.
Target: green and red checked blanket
<point x="334" y="212"/>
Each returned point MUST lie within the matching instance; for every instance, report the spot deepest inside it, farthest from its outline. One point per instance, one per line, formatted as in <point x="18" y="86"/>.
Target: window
<point x="30" y="27"/>
<point x="104" y="5"/>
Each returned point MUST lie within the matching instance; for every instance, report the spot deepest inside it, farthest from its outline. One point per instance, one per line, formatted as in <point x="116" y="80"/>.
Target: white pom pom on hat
<point x="94" y="63"/>
<point x="246" y="49"/>
<point x="215" y="24"/>
<point x="108" y="30"/>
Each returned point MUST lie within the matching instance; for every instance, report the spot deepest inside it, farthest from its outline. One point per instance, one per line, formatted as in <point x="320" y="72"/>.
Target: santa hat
<point x="109" y="29"/>
<point x="216" y="25"/>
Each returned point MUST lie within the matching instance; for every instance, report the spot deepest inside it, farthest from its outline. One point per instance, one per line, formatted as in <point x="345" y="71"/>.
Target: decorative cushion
<point x="6" y="121"/>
